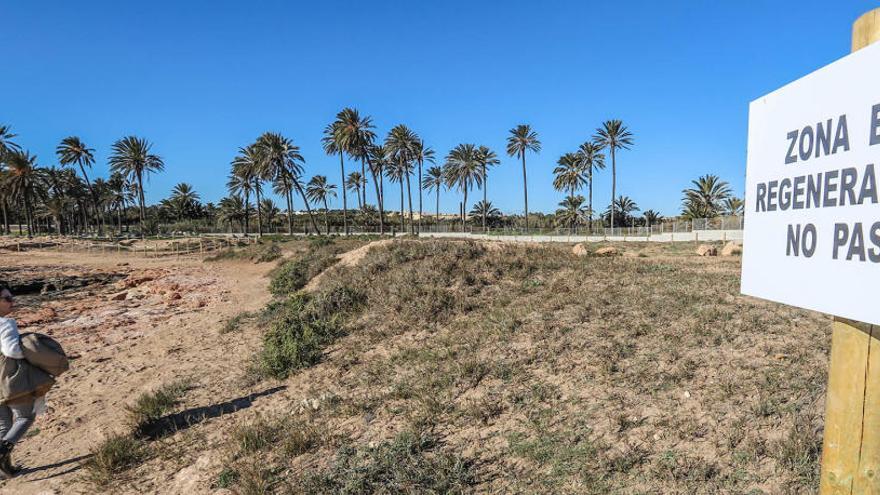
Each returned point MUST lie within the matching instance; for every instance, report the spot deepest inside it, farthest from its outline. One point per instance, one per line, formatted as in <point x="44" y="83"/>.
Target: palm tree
<point x="241" y="183"/>
<point x="614" y="136"/>
<point x="377" y="160"/>
<point x="353" y="183"/>
<point x="334" y="144"/>
<point x="400" y="145"/>
<point x="434" y="178"/>
<point x="422" y="154"/>
<point x="463" y="170"/>
<point x="487" y="158"/>
<point x="522" y="138"/>
<point x="571" y="211"/>
<point x="591" y="159"/>
<point x="705" y="198"/>
<point x="569" y="174"/>
<point x="652" y="218"/>
<point x="73" y="151"/>
<point x="625" y="205"/>
<point x="270" y="211"/>
<point x="318" y="190"/>
<point x="253" y="167"/>
<point x="119" y="196"/>
<point x="733" y="206"/>
<point x="131" y="157"/>
<point x="283" y="161"/>
<point x="23" y="177"/>
<point x="232" y="210"/>
<point x="6" y="143"/>
<point x="486" y="210"/>
<point x="184" y="201"/>
<point x="356" y="135"/>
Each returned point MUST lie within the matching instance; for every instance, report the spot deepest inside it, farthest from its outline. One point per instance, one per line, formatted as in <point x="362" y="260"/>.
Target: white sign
<point x="812" y="224"/>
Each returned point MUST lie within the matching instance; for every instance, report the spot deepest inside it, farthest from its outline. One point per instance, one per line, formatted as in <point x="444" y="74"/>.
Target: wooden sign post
<point x="851" y="447"/>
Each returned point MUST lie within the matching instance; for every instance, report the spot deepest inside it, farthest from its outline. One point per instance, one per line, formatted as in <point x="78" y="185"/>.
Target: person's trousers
<point x="15" y="419"/>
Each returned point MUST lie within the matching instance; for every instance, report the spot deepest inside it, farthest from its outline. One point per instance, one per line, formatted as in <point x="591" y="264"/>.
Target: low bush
<point x="149" y="407"/>
<point x="409" y="463"/>
<point x="262" y="252"/>
<point x="303" y="326"/>
<point x="114" y="456"/>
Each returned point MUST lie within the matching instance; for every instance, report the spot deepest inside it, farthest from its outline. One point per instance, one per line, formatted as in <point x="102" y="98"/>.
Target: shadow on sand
<point x="182" y="420"/>
<point x="58" y="464"/>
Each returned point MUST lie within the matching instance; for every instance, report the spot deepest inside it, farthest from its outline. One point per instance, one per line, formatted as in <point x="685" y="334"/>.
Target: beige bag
<point x="45" y="353"/>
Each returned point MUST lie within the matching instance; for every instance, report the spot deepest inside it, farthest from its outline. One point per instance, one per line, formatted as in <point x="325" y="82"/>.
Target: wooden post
<point x="851" y="446"/>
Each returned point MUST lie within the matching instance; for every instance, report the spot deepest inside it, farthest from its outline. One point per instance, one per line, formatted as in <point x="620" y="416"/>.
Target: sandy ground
<point x="158" y="322"/>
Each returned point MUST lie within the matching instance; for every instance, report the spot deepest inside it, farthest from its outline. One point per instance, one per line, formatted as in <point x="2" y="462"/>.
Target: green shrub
<point x="303" y="325"/>
<point x="151" y="406"/>
<point x="113" y="456"/>
<point x="262" y="252"/>
<point x="409" y="463"/>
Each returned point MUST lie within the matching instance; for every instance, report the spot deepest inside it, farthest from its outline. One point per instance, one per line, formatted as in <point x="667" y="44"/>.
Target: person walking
<point x="16" y="415"/>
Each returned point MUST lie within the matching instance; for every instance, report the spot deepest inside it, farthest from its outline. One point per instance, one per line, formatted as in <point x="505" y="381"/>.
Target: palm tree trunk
<point x="289" y="211"/>
<point x="525" y="190"/>
<point x="485" y="195"/>
<point x="326" y="217"/>
<point x="464" y="210"/>
<point x="381" y="194"/>
<point x="419" y="182"/>
<point x="344" y="195"/>
<point x="91" y="192"/>
<point x="377" y="185"/>
<point x="5" y="216"/>
<point x="140" y="179"/>
<point x="308" y="208"/>
<point x="412" y="226"/>
<point x="437" y="219"/>
<point x="259" y="213"/>
<point x="402" y="211"/>
<point x="28" y="213"/>
<point x="590" y="206"/>
<point x="119" y="218"/>
<point x="613" y="187"/>
<point x="247" y="211"/>
<point x="362" y="187"/>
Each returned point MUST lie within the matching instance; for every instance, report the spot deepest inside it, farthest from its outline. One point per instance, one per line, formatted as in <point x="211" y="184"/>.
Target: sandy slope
<point x="166" y="328"/>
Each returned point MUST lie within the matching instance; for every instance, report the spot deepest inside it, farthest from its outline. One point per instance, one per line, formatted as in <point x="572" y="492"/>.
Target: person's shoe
<point x="6" y="465"/>
<point x="7" y="470"/>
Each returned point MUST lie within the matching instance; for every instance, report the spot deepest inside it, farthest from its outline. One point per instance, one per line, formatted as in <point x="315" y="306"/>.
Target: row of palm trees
<point x="275" y="160"/>
<point x="23" y="181"/>
<point x="403" y="154"/>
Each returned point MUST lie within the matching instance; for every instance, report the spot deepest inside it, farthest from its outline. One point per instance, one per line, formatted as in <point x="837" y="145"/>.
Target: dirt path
<point x="156" y="325"/>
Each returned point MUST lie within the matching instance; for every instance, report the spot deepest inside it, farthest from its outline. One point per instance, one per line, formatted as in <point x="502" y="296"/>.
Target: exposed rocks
<point x="580" y="250"/>
<point x="707" y="250"/>
<point x="121" y="296"/>
<point x="607" y="251"/>
<point x="731" y="249"/>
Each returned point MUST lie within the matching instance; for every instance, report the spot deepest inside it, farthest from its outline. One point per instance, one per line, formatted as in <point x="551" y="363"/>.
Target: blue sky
<point x="199" y="79"/>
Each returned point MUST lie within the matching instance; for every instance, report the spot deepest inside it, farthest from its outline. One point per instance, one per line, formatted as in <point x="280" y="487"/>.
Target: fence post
<point x="851" y="444"/>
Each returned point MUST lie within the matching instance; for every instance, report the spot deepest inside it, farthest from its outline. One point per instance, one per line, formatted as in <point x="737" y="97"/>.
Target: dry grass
<point x="525" y="369"/>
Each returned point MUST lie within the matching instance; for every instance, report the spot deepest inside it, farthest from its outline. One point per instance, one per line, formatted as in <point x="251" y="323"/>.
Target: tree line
<point x="64" y="199"/>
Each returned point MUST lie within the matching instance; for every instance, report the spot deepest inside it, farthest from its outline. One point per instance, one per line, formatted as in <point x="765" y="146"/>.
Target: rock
<point x="579" y="250"/>
<point x="174" y="296"/>
<point x="42" y="315"/>
<point x="122" y="296"/>
<point x="607" y="251"/>
<point x="707" y="250"/>
<point x="731" y="249"/>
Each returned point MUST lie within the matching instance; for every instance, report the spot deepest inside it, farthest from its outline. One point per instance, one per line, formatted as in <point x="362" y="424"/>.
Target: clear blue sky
<point x="200" y="79"/>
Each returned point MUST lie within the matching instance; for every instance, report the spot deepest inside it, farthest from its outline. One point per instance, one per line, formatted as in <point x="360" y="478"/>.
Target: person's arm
<point x="10" y="341"/>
